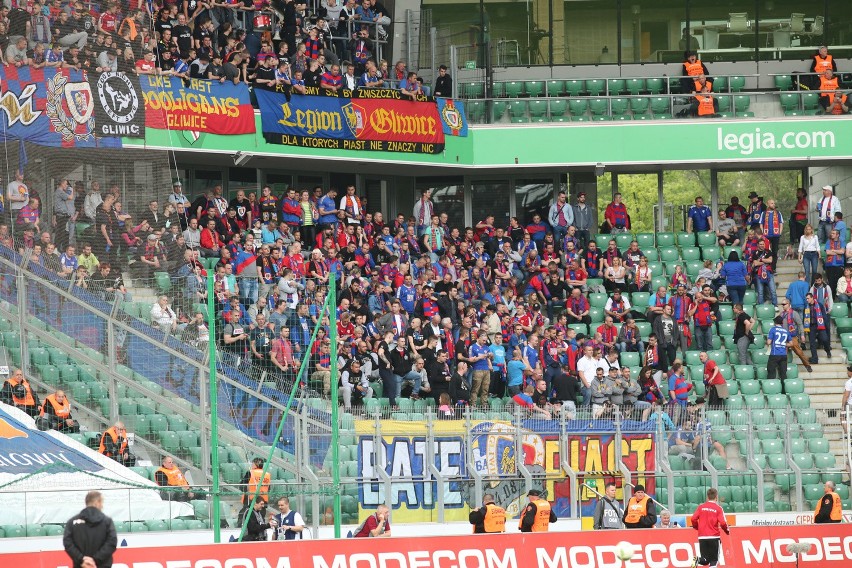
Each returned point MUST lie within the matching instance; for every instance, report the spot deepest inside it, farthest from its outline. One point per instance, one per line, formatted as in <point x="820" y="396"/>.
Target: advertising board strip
<point x="831" y="547"/>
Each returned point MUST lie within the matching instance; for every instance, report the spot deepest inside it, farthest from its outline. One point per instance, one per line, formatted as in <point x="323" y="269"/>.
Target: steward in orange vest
<point x="837" y="103"/>
<point x="169" y="475"/>
<point x="18" y="392"/>
<point x="114" y="445"/>
<point x="640" y="512"/>
<point x="705" y="104"/>
<point x="537" y="515"/>
<point x="490" y="518"/>
<point x="252" y="479"/>
<point x="56" y="414"/>
<point x="830" y="507"/>
<point x="692" y="67"/>
<point x="823" y="61"/>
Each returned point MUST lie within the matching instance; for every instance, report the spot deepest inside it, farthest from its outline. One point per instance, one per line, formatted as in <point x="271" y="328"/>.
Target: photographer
<point x="18" y="392"/>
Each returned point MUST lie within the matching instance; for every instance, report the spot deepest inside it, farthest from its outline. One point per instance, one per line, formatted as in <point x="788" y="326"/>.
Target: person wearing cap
<point x="537" y="515"/>
<point x="177" y="195"/>
<point x="738" y="213"/>
<point x="641" y="513"/>
<point x="826" y="208"/>
<point x="755" y="210"/>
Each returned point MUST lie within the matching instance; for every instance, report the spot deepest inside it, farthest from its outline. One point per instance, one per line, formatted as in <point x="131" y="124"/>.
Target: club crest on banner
<point x="354" y="117"/>
<point x="70" y="107"/>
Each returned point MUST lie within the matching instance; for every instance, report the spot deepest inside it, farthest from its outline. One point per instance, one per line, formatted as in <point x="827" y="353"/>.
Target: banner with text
<point x="830" y="547"/>
<point x="50" y="107"/>
<point x="492" y="451"/>
<point x="198" y="105"/>
<point x="368" y="120"/>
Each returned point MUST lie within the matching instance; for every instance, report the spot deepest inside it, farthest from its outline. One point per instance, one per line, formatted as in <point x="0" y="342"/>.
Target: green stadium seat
<point x="655" y="85"/>
<point x="558" y="107"/>
<point x="724" y="103"/>
<point x="538" y="108"/>
<point x="34" y="530"/>
<point x="615" y="86"/>
<point x="749" y="298"/>
<point x="597" y="300"/>
<point x="498" y="110"/>
<point x="578" y="107"/>
<point x="156" y="525"/>
<point x="803" y="460"/>
<point x="475" y="113"/>
<point x="630" y="359"/>
<point x="810" y="101"/>
<point x="513" y="89"/>
<point x="743" y="372"/>
<point x="572" y="87"/>
<point x="232" y="474"/>
<point x="811" y="431"/>
<point x="789" y="101"/>
<point x="473" y="90"/>
<point x="598" y="106"/>
<point x="784" y="83"/>
<point x="535" y="88"/>
<point x="665" y="240"/>
<point x="57" y="356"/>
<point x="818" y="446"/>
<point x="53" y="530"/>
<point x="517" y="108"/>
<point x="639" y="105"/>
<point x="805" y="415"/>
<point x="690" y="253"/>
<point x="555" y="88"/>
<point x="595" y="87"/>
<point x="741" y="103"/>
<point x="772" y="387"/>
<point x="669" y="254"/>
<point x="736" y="83"/>
<point x="169" y="441"/>
<point x="187" y="439"/>
<point x="776" y="401"/>
<point x="755" y="401"/>
<point x="685" y="239"/>
<point x="706" y="239"/>
<point x="710" y="252"/>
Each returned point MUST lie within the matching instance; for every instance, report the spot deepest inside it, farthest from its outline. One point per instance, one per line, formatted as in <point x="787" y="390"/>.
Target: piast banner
<point x="198" y="105"/>
<point x="119" y="107"/>
<point x="364" y="119"/>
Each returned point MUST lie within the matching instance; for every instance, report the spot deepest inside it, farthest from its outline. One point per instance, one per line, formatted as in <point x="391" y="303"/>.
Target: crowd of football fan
<point x="458" y="314"/>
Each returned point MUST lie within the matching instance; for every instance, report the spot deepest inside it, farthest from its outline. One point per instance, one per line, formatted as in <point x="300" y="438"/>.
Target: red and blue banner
<point x="198" y="105"/>
<point x="50" y="107"/>
<point x="364" y="119"/>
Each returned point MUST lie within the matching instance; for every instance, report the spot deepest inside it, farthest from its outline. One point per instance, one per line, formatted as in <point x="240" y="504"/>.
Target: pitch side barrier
<point x="831" y="547"/>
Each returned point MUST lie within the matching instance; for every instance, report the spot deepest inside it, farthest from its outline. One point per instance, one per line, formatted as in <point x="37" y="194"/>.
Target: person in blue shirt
<point x="407" y="295"/>
<point x="700" y="217"/>
<point x="515" y="372"/>
<point x="778" y="340"/>
<point x="498" y="363"/>
<point x="327" y="207"/>
<point x="480" y="358"/>
<point x="734" y="272"/>
<point x="797" y="293"/>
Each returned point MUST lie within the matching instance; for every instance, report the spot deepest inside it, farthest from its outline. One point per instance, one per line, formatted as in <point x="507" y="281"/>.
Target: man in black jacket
<point x="444" y="86"/>
<point x="90" y="537"/>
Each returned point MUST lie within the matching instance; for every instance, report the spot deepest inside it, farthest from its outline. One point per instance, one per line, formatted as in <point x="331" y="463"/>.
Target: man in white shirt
<point x="192" y="234"/>
<point x="826" y="208"/>
<point x="351" y="204"/>
<point x="587" y="366"/>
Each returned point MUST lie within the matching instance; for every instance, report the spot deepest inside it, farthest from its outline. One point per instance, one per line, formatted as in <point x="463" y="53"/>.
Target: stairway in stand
<point x="825" y="384"/>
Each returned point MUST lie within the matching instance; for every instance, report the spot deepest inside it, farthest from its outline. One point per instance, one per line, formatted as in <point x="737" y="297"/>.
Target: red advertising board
<point x="655" y="548"/>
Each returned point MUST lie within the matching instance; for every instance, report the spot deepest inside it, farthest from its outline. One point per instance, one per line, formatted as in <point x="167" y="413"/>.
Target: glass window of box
<point x="591" y="32"/>
<point x="727" y="32"/>
<point x="447" y="195"/>
<point x="534" y="196"/>
<point x="651" y="31"/>
<point x="202" y="180"/>
<point x="241" y="178"/>
<point x="490" y="198"/>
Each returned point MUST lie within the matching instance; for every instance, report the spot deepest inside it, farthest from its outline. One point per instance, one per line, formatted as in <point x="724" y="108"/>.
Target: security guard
<point x="490" y="518"/>
<point x="640" y="512"/>
<point x="18" y="392"/>
<point x="692" y="68"/>
<point x="170" y="475"/>
<point x="830" y="507"/>
<point x="56" y="414"/>
<point x="537" y="515"/>
<point x="252" y="479"/>
<point x="114" y="445"/>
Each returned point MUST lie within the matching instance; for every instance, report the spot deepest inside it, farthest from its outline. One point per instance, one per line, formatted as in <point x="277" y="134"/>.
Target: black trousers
<point x="777" y="365"/>
<point x="708" y="548"/>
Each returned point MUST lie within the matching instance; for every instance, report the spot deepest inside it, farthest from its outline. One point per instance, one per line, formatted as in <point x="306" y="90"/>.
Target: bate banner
<point x="52" y="107"/>
<point x="492" y="455"/>
<point x="368" y="120"/>
<point x="830" y="547"/>
<point x="198" y="105"/>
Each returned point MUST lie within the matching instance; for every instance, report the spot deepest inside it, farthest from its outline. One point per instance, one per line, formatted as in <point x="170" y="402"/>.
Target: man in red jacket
<point x="709" y="520"/>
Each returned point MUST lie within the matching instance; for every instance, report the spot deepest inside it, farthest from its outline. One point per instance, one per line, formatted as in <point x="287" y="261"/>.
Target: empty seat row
<point x="592" y="87"/>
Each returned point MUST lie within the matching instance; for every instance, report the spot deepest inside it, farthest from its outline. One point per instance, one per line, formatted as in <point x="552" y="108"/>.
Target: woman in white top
<point x="614" y="276"/>
<point x="642" y="277"/>
<point x="809" y="249"/>
<point x="163" y="316"/>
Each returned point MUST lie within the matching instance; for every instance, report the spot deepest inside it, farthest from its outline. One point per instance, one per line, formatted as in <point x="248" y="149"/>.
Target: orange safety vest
<point x="114" y="435"/>
<point x="705" y="105"/>
<point x="28" y="399"/>
<point x="831" y="102"/>
<point x="542" y="517"/>
<point x="636" y="510"/>
<point x="836" y="508"/>
<point x="254" y="481"/>
<point x="693" y="69"/>
<point x="828" y="84"/>
<point x="495" y="519"/>
<point x="60" y="410"/>
<point x="822" y="64"/>
<point x="699" y="86"/>
<point x="174" y="477"/>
